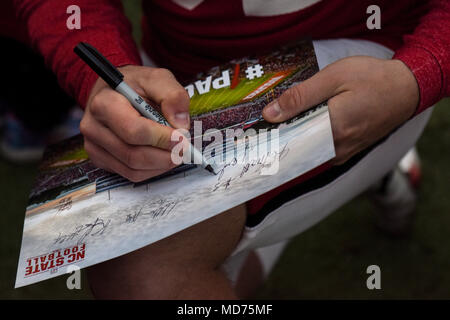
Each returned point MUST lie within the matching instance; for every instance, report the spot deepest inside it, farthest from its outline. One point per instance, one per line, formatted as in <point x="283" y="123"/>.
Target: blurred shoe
<point x="395" y="196"/>
<point x="68" y="128"/>
<point x="411" y="166"/>
<point x="21" y="145"/>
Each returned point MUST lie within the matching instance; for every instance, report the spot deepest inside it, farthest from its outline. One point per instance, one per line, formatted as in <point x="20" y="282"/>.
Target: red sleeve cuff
<point x="427" y="71"/>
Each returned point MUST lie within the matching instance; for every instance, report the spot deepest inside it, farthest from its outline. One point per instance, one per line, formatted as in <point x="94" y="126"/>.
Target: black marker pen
<point x="114" y="78"/>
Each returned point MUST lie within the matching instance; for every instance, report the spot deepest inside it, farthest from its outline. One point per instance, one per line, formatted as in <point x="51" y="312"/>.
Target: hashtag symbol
<point x="255" y="71"/>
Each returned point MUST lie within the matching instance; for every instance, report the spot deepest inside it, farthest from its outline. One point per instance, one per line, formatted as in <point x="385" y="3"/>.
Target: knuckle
<point x="178" y="94"/>
<point x="338" y="133"/>
<point x="130" y="132"/>
<point x="293" y="98"/>
<point x="342" y="132"/>
<point x="84" y="127"/>
<point x="96" y="104"/>
<point x="104" y="98"/>
<point x="134" y="175"/>
<point x="161" y="73"/>
<point x="332" y="102"/>
<point x="117" y="99"/>
<point x="133" y="158"/>
<point x="159" y="139"/>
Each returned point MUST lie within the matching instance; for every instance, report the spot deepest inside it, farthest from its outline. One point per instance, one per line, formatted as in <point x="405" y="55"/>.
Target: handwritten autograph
<point x="264" y="161"/>
<point x="158" y="208"/>
<point x="80" y="233"/>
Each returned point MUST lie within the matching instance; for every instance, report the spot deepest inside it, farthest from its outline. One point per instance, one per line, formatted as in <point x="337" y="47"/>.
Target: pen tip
<point x="210" y="169"/>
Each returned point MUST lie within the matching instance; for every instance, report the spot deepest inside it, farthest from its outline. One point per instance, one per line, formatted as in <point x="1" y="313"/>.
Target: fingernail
<point x="182" y="119"/>
<point x="272" y="110"/>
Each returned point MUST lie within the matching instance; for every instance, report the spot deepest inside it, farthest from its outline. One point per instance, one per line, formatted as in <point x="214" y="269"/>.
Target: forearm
<point x="103" y="24"/>
<point x="427" y="54"/>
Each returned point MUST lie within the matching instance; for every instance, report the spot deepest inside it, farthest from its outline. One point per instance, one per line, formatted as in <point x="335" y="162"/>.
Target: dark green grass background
<point x="327" y="261"/>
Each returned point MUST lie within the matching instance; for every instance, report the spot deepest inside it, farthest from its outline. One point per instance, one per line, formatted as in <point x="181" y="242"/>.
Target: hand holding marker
<point x="114" y="78"/>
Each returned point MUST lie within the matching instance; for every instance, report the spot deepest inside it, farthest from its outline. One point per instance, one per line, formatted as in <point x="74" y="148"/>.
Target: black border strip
<point x="317" y="182"/>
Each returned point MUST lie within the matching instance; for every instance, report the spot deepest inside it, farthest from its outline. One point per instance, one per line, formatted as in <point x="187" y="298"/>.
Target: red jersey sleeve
<point x="427" y="53"/>
<point x="103" y="24"/>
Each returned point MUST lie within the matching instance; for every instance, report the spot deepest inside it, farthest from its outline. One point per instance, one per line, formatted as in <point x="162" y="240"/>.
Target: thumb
<point x="175" y="107"/>
<point x="320" y="87"/>
<point x="160" y="86"/>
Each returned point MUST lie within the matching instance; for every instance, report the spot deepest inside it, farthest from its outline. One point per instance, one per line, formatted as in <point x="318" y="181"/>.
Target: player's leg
<point x="186" y="265"/>
<point x="249" y="272"/>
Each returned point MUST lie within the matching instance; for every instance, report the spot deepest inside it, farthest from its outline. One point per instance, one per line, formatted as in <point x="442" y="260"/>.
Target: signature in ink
<point x="259" y="163"/>
<point x="133" y="217"/>
<point x="80" y="233"/>
<point x="155" y="209"/>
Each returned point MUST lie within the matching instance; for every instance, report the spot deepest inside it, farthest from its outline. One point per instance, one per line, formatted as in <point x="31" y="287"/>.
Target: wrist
<point x="409" y="88"/>
<point x="427" y="71"/>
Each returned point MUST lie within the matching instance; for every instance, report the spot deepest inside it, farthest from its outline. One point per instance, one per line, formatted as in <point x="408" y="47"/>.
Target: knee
<point x="110" y="281"/>
<point x="164" y="269"/>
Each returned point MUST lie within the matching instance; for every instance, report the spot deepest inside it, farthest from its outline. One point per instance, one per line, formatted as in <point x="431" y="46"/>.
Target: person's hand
<point x="367" y="99"/>
<point x="118" y="139"/>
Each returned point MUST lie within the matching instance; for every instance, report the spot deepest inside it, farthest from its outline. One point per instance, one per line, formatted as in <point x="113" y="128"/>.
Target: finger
<point x="320" y="87"/>
<point x="340" y="108"/>
<point x="348" y="128"/>
<point x="102" y="159"/>
<point x="338" y="115"/>
<point x="115" y="112"/>
<point x="135" y="157"/>
<point x="163" y="88"/>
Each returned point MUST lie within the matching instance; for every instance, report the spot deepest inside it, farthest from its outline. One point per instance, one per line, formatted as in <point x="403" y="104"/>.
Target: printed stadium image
<point x="66" y="173"/>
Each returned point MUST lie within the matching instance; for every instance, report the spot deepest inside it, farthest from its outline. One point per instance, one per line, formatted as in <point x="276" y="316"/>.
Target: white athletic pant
<point x="295" y="216"/>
